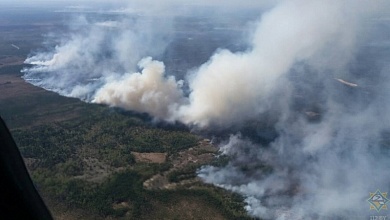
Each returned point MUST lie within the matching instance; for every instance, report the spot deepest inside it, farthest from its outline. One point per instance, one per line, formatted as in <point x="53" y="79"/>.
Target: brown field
<point x="150" y="157"/>
<point x="13" y="86"/>
<point x="23" y="105"/>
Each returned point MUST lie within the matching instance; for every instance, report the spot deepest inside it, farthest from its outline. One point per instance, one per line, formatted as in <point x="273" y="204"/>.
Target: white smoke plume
<point x="148" y="91"/>
<point x="96" y="49"/>
<point x="305" y="146"/>
<point x="233" y="85"/>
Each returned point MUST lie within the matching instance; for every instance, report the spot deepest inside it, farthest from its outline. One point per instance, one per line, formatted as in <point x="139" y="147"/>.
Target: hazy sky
<point x="40" y="3"/>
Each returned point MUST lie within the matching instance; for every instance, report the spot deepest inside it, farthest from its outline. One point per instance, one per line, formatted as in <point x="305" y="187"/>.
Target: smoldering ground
<point x="306" y="102"/>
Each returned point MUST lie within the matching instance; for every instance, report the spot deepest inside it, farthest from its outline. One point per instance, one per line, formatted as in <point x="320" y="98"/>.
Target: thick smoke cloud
<point x="308" y="101"/>
<point x="147" y="92"/>
<point x="233" y="85"/>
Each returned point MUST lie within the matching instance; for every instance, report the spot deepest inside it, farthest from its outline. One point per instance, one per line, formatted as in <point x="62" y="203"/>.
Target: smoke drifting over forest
<point x="329" y="146"/>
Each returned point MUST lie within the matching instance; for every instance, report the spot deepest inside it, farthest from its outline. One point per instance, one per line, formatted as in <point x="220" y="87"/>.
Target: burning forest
<point x="300" y="108"/>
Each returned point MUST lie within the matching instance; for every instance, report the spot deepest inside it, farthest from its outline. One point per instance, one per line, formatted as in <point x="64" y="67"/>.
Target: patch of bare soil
<point x="150" y="157"/>
<point x="199" y="155"/>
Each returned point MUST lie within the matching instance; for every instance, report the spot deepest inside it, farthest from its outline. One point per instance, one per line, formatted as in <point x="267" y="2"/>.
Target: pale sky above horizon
<point x="134" y="2"/>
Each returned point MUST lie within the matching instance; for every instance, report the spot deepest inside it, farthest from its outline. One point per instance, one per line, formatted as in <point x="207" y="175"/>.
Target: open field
<point x="150" y="157"/>
<point x="23" y="105"/>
